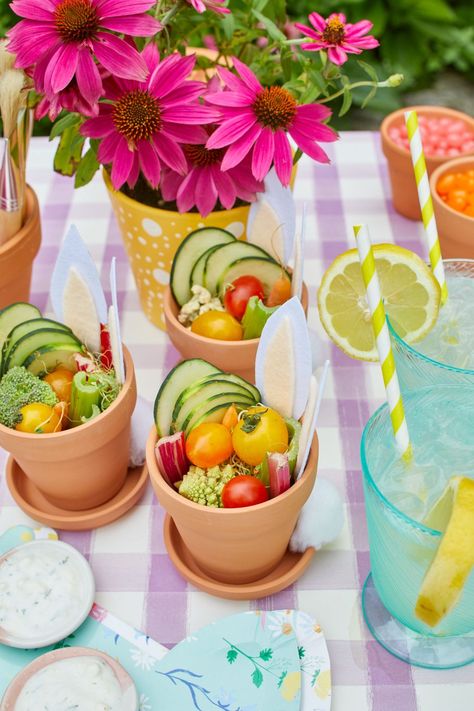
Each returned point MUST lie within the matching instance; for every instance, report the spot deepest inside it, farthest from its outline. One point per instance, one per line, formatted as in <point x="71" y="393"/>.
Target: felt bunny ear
<point x="272" y="220"/>
<point x="244" y="661"/>
<point x="310" y="417"/>
<point x="298" y="257"/>
<point x="284" y="360"/>
<point x="114" y="327"/>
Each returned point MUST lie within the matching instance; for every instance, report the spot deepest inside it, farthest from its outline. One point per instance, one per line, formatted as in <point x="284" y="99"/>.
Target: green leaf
<point x="86" y="169"/>
<point x="433" y="10"/>
<point x="61" y="124"/>
<point x="369" y="96"/>
<point x="69" y="151"/>
<point x="257" y="678"/>
<point x="270" y="27"/>
<point x="266" y="654"/>
<point x="282" y="678"/>
<point x="368" y="69"/>
<point x="228" y="25"/>
<point x="231" y="656"/>
<point x="301" y="652"/>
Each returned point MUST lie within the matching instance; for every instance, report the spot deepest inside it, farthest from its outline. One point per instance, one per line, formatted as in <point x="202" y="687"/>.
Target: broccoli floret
<point x="204" y="486"/>
<point x="18" y="388"/>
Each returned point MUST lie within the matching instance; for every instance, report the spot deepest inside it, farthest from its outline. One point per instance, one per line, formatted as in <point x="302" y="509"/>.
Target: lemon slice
<point x="410" y="291"/>
<point x="454" y="559"/>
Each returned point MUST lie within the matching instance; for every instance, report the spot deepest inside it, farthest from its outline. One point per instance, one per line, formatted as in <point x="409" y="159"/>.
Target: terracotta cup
<point x="17" y="255"/>
<point x="130" y="697"/>
<point x="402" y="176"/>
<point x="231" y="356"/>
<point x="235" y="546"/>
<point x="455" y="230"/>
<point x="85" y="466"/>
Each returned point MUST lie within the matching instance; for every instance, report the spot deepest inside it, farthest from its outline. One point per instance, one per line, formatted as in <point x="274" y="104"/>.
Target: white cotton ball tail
<point x="321" y="519"/>
<point x="141" y="422"/>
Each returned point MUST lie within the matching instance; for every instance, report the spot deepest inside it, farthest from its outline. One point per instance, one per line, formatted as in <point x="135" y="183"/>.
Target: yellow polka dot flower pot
<point x="151" y="237"/>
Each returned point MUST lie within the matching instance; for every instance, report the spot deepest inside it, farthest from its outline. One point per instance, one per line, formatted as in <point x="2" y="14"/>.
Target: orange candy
<point x="457" y="191"/>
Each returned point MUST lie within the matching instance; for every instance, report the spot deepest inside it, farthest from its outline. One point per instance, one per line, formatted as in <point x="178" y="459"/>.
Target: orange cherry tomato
<point x="219" y="325"/>
<point x="445" y="184"/>
<point x="457" y="199"/>
<point x="469" y="211"/>
<point x="280" y="292"/>
<point x="39" y="418"/>
<point x="209" y="444"/>
<point x="60" y="380"/>
<point x="231" y="418"/>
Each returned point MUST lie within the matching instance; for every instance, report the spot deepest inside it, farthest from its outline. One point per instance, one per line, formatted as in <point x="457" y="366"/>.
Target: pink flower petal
<point x="88" y="77"/>
<point x="358" y="29"/>
<point x="122" y="164"/>
<point x="263" y="153"/>
<point x="185" y="197"/>
<point x="107" y="147"/>
<point x="230" y="131"/>
<point x="247" y="75"/>
<point x="98" y="127"/>
<point x="314" y="112"/>
<point x="360" y="43"/>
<point x="170" y="73"/>
<point x="314" y="46"/>
<point x="119" y="8"/>
<point x="119" y="57"/>
<point x="309" y="147"/>
<point x="137" y="26"/>
<point x="337" y="55"/>
<point x="234" y="83"/>
<point x="191" y="114"/>
<point x="151" y="56"/>
<point x="318" y="22"/>
<point x="134" y="172"/>
<point x="240" y="148"/>
<point x="189" y="91"/>
<point x="314" y="130"/>
<point x="225" y="187"/>
<point x="170" y="152"/>
<point x="194" y="135"/>
<point x="33" y="10"/>
<point x="61" y="68"/>
<point x="28" y="52"/>
<point x="228" y="98"/>
<point x="205" y="192"/>
<point x="149" y="162"/>
<point x="283" y="159"/>
<point x="308" y="31"/>
<point x="169" y="186"/>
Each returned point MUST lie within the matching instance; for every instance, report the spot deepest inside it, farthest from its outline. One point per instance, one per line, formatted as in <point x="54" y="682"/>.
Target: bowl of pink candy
<point x="446" y="134"/>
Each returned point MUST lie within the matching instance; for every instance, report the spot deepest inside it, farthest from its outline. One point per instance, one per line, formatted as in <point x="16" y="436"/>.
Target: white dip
<point x="82" y="683"/>
<point x="43" y="590"/>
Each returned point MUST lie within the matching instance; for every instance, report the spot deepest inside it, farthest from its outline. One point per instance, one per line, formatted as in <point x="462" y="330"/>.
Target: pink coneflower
<point x="143" y="123"/>
<point x="337" y="37"/>
<point x="69" y="99"/>
<point x="61" y="38"/>
<point x="205" y="183"/>
<point x="214" y="5"/>
<point x="257" y="119"/>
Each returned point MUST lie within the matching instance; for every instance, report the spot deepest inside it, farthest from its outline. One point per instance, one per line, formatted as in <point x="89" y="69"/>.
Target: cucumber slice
<point x="189" y="251"/>
<point x="182" y="376"/>
<point x="197" y="274"/>
<point x="27" y="327"/>
<point x="266" y="270"/>
<point x="48" y="358"/>
<point x="212" y="411"/>
<point x="33" y="342"/>
<point x="232" y="378"/>
<point x="195" y="395"/>
<point x="14" y="314"/>
<point x="219" y="261"/>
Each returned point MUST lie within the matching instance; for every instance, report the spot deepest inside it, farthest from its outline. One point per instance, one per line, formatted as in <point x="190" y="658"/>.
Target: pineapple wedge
<point x="454" y="559"/>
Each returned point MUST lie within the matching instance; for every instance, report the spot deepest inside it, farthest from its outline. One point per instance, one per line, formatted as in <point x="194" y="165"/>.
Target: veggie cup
<point x="240" y="545"/>
<point x="230" y="356"/>
<point x="85" y="466"/>
<point x="455" y="230"/>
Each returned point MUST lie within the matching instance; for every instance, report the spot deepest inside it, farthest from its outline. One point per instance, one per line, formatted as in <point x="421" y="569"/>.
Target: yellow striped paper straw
<point x="426" y="203"/>
<point x="382" y="338"/>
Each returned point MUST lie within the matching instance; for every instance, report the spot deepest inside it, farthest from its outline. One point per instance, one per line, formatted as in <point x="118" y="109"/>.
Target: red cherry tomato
<point x="239" y="292"/>
<point x="244" y="490"/>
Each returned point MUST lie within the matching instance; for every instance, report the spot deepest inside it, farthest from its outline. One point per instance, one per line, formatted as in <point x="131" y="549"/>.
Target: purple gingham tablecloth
<point x="135" y="579"/>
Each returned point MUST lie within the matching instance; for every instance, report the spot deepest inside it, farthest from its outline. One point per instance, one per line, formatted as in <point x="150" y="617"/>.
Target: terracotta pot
<point x="402" y="176"/>
<point x="231" y="356"/>
<point x="85" y="466"/>
<point x="455" y="230"/>
<point x="17" y="255"/>
<point x="126" y="682"/>
<point x="235" y="546"/>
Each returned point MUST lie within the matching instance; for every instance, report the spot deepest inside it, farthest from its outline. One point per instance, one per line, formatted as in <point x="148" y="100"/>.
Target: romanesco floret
<point x="204" y="486"/>
<point x="18" y="388"/>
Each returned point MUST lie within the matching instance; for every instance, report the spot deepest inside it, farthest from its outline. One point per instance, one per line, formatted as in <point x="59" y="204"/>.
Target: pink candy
<point x="441" y="136"/>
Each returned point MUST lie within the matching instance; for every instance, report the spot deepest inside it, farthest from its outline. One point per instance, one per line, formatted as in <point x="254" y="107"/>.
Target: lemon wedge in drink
<point x="444" y="581"/>
<point x="410" y="291"/>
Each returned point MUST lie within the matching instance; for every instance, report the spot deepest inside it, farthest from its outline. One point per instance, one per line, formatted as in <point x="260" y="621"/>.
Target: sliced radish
<point x="84" y="363"/>
<point x="279" y="473"/>
<point x="105" y="347"/>
<point x="170" y="453"/>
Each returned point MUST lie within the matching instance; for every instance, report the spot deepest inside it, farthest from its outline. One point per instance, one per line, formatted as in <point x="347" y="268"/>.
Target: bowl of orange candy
<point x="452" y="189"/>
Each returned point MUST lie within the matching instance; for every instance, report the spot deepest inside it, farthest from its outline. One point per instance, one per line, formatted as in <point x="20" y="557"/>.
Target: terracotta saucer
<point x="291" y="567"/>
<point x="32" y="502"/>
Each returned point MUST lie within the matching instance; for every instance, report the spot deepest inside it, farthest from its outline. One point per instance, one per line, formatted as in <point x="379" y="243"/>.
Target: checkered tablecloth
<point x="135" y="579"/>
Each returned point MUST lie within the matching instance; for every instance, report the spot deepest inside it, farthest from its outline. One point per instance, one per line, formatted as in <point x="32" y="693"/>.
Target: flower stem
<point x="300" y="40"/>
<point x="297" y="156"/>
<point x="357" y="84"/>
<point x="168" y="16"/>
<point x="253" y="660"/>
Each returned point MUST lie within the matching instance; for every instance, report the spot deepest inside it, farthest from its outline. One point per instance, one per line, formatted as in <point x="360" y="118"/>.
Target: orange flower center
<point x="137" y="115"/>
<point x="202" y="156"/>
<point x="334" y="32"/>
<point x="76" y="20"/>
<point x="275" y="107"/>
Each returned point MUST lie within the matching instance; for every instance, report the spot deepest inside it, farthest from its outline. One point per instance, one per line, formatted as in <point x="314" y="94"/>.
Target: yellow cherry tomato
<point x="219" y="325"/>
<point x="39" y="418"/>
<point x="60" y="380"/>
<point x="259" y="430"/>
<point x="208" y="445"/>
